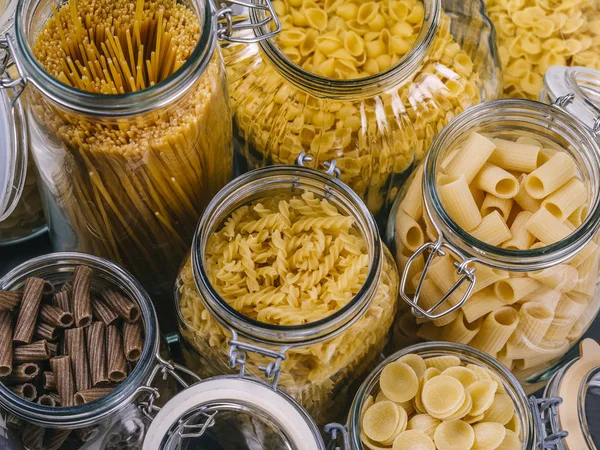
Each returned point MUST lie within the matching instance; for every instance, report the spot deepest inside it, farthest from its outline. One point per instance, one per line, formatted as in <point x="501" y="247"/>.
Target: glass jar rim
<point x="113" y="105"/>
<point x="260" y="181"/>
<point x="329" y="87"/>
<point x="89" y="413"/>
<point x="354" y="416"/>
<point x="519" y="260"/>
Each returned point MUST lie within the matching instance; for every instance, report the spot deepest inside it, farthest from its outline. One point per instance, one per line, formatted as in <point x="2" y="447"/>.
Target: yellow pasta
<point x="442" y="396"/>
<point x="463" y="374"/>
<point x="416" y="363"/>
<point x="517" y="156"/>
<point x="410" y="232"/>
<point x="561" y="278"/>
<point x="460" y="330"/>
<point x="496" y="329"/>
<point x="547" y="178"/>
<point x="511" y="442"/>
<point x="496" y="181"/>
<point x="547" y="228"/>
<point x="423" y="423"/>
<point x="442" y="362"/>
<point x="454" y="435"/>
<point x="399" y="382"/>
<point x="413" y="439"/>
<point x="482" y="393"/>
<point x="524" y="200"/>
<point x="565" y="201"/>
<point x="469" y="160"/>
<point x="501" y="410"/>
<point x="488" y="435"/>
<point x="381" y="420"/>
<point x="503" y="206"/>
<point x="521" y="239"/>
<point x="459" y="202"/>
<point x="480" y="304"/>
<point x="492" y="229"/>
<point x="512" y="290"/>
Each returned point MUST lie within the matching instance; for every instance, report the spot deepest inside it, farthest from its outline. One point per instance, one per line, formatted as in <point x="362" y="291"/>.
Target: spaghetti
<point x="130" y="188"/>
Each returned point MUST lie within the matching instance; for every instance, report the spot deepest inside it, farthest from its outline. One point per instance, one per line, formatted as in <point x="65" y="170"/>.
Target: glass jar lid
<point x="233" y="412"/>
<point x="577" y="90"/>
<point x="13" y="136"/>
<point x="578" y="384"/>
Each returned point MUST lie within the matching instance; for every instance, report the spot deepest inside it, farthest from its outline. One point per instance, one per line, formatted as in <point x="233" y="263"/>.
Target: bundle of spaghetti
<point x="132" y="188"/>
<point x="270" y="262"/>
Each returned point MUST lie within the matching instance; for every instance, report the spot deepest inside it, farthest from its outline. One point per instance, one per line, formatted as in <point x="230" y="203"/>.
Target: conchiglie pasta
<point x="518" y="317"/>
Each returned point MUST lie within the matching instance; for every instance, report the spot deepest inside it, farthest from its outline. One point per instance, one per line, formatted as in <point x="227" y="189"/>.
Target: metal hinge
<point x="543" y="409"/>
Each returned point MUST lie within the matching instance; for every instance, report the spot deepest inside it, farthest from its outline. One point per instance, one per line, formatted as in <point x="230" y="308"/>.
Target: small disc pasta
<point x="483" y="395"/>
<point x="466" y="376"/>
<point x="442" y="395"/>
<point x="424" y="423"/>
<point x="381" y="421"/>
<point x="501" y="410"/>
<point x="454" y="435"/>
<point x="488" y="435"/>
<point x="511" y="442"/>
<point x="413" y="440"/>
<point x="399" y="382"/>
<point x="443" y="362"/>
<point x="416" y="362"/>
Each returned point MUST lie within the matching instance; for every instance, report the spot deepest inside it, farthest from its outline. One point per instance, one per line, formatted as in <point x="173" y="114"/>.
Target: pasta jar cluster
<point x="366" y="83"/>
<point x="439" y="395"/>
<point x="130" y="129"/>
<point x="497" y="236"/>
<point x="288" y="276"/>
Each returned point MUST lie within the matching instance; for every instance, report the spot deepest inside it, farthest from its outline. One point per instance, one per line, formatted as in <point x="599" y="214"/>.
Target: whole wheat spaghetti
<point x="132" y="189"/>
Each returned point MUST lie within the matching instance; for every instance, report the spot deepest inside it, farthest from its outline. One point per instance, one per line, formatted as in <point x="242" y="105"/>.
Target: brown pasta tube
<point x="54" y="439"/>
<point x="36" y="351"/>
<point x="14" y="423"/>
<point x="124" y="307"/>
<point x="33" y="437"/>
<point x="75" y="346"/>
<point x="92" y="394"/>
<point x="9" y="300"/>
<point x="82" y="305"/>
<point x="30" y="305"/>
<point x="133" y="340"/>
<point x="6" y="344"/>
<point x="25" y="390"/>
<point x="55" y="316"/>
<point x="103" y="312"/>
<point x="49" y="381"/>
<point x="115" y="355"/>
<point x="65" y="384"/>
<point x="22" y="373"/>
<point x="62" y="300"/>
<point x="46" y="331"/>
<point x="97" y="353"/>
<point x="53" y="347"/>
<point x="87" y="434"/>
<point x="47" y="400"/>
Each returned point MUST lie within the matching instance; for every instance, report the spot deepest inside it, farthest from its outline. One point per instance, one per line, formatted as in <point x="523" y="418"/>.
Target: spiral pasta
<point x="538" y="34"/>
<point x="463" y="407"/>
<point x="292" y="260"/>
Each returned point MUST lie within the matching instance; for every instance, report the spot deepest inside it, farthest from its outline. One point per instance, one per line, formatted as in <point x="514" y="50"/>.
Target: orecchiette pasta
<point x="374" y="139"/>
<point x="461" y="408"/>
<point x="524" y="319"/>
<point x="292" y="260"/>
<point x="537" y="34"/>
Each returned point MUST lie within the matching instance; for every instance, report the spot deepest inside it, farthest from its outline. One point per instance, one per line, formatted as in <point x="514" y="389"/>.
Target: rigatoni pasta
<point x="456" y="407"/>
<point x="524" y="319"/>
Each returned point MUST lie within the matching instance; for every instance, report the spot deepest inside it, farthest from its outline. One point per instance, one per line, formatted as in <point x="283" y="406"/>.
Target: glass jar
<point x="25" y="219"/>
<point x="536" y="35"/>
<point x="530" y="420"/>
<point x="375" y="127"/>
<point x="577" y="90"/>
<point x="317" y="361"/>
<point x="577" y="383"/>
<point x="101" y="422"/>
<point x="480" y="288"/>
<point x="126" y="176"/>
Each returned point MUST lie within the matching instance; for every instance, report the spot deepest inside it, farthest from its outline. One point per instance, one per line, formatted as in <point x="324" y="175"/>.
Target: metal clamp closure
<point x="331" y="166"/>
<point x="261" y="16"/>
<point x="466" y="275"/>
<point x="150" y="393"/>
<point x="238" y="356"/>
<point x="543" y="409"/>
<point x="337" y="431"/>
<point x="565" y="100"/>
<point x="17" y="85"/>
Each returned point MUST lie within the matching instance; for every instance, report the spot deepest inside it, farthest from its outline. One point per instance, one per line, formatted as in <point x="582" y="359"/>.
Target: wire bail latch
<point x="543" y="410"/>
<point x="336" y="431"/>
<point x="16" y="85"/>
<point x="331" y="166"/>
<point x="228" y="23"/>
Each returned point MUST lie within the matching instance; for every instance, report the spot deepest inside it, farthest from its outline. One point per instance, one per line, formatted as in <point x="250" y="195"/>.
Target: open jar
<point x="288" y="277"/>
<point x="537" y="294"/>
<point x="520" y="424"/>
<point x="286" y="97"/>
<point x="23" y="219"/>
<point x="131" y="136"/>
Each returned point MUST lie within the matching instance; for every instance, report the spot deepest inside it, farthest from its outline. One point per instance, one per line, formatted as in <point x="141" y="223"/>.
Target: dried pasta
<point x="461" y="408"/>
<point x="537" y="34"/>
<point x="524" y="319"/>
<point x="293" y="260"/>
<point x="375" y="140"/>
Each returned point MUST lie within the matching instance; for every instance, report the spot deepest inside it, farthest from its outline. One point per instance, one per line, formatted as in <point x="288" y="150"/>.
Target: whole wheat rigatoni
<point x="103" y="312"/>
<point x="46" y="331"/>
<point x="53" y="349"/>
<point x="82" y="305"/>
<point x="75" y="348"/>
<point x="22" y="373"/>
<point x="47" y="400"/>
<point x="33" y="437"/>
<point x="115" y="355"/>
<point x="36" y="351"/>
<point x="9" y="300"/>
<point x="6" y="347"/>
<point x="30" y="304"/>
<point x="92" y="394"/>
<point x="62" y="300"/>
<point x="97" y="353"/>
<point x="55" y="316"/>
<point x="133" y="340"/>
<point x="124" y="307"/>
<point x="48" y="381"/>
<point x="25" y="390"/>
<point x="65" y="384"/>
